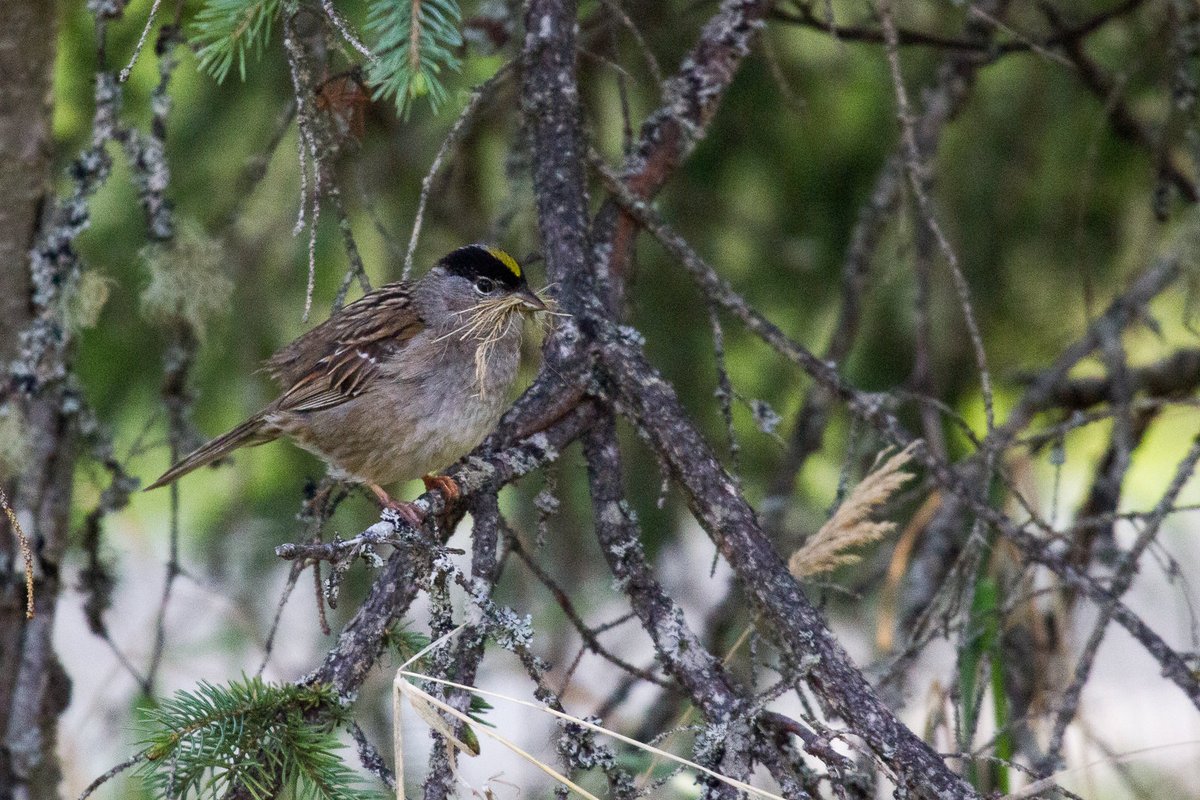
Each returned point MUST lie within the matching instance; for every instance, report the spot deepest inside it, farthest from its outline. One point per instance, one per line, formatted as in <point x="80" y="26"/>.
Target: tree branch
<point x="650" y="403"/>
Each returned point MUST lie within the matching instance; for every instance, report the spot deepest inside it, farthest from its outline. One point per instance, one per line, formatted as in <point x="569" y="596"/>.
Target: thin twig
<point x="615" y="9"/>
<point x="288" y="587"/>
<point x="356" y="269"/>
<point x="112" y="773"/>
<point x="806" y="17"/>
<point x="453" y="137"/>
<point x="310" y="154"/>
<point x="141" y="42"/>
<point x="590" y="636"/>
<point x="343" y="28"/>
<point x="917" y="176"/>
<point x="1122" y="579"/>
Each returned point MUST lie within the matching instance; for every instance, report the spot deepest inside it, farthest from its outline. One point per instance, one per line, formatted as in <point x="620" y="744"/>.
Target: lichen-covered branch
<point x="691" y="98"/>
<point x="393" y="590"/>
<point x="37" y="265"/>
<point x="718" y="505"/>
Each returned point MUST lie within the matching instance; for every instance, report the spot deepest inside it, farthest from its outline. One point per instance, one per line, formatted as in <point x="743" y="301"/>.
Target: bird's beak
<point x="530" y="301"/>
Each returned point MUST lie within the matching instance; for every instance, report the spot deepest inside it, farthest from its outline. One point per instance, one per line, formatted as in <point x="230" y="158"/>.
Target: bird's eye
<point x="485" y="285"/>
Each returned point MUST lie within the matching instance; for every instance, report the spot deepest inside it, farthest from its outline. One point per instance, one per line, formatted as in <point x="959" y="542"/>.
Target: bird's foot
<point x="444" y="484"/>
<point x="407" y="511"/>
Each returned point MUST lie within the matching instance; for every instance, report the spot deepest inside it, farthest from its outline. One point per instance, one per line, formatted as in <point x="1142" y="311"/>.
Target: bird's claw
<point x="406" y="511"/>
<point x="444" y="484"/>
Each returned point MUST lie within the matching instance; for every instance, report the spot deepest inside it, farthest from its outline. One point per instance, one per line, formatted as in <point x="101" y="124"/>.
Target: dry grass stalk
<point x="851" y="525"/>
<point x="885" y="625"/>
<point x="420" y="698"/>
<point x="26" y="553"/>
<point x="425" y="703"/>
<point x="490" y="321"/>
<point x="583" y="723"/>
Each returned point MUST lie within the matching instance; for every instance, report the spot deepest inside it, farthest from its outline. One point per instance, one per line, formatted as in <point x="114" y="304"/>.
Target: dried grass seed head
<point x="851" y="525"/>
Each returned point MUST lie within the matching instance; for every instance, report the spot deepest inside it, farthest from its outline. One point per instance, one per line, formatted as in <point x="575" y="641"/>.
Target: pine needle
<point x="206" y="741"/>
<point x="851" y="525"/>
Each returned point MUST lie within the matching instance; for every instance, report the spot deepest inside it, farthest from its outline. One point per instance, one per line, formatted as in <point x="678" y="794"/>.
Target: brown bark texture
<point x="33" y="687"/>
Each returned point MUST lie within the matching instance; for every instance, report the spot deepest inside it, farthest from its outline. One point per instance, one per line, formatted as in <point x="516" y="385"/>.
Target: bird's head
<point x="483" y="287"/>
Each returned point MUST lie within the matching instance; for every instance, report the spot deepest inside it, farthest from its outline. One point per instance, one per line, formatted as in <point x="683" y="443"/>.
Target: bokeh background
<point x="1050" y="210"/>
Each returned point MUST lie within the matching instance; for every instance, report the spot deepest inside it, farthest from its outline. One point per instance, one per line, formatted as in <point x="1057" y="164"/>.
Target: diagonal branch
<point x="1123" y="310"/>
<point x="704" y="678"/>
<point x="1122" y="580"/>
<point x="359" y="645"/>
<point x="1125" y="123"/>
<point x="649" y="401"/>
<point x="691" y="98"/>
<point x="701" y="675"/>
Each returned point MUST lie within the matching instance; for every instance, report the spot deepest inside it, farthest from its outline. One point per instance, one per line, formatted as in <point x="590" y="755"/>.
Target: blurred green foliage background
<point x="1046" y="206"/>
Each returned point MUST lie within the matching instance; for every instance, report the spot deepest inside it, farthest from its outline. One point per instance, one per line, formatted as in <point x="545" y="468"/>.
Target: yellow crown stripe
<point x="507" y="260"/>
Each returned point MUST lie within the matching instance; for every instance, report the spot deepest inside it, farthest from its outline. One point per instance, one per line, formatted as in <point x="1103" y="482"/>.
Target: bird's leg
<point x="408" y="511"/>
<point x="444" y="484"/>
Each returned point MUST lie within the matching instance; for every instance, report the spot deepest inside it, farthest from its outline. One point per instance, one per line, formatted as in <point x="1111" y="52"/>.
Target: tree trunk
<point x="33" y="687"/>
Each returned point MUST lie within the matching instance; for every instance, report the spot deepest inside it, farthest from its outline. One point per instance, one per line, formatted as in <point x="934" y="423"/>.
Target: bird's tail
<point x="251" y="432"/>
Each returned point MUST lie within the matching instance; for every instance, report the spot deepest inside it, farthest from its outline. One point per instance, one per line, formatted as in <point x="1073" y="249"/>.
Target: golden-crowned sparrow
<point x="400" y="383"/>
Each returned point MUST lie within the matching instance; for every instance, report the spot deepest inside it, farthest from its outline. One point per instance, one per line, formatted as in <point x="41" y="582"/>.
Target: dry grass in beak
<point x="551" y="305"/>
<point x="851" y="526"/>
<point x="491" y="319"/>
<point x="488" y="322"/>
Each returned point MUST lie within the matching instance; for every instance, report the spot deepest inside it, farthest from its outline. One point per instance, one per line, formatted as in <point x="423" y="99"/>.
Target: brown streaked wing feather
<point x="293" y="361"/>
<point x="336" y="360"/>
<point x="386" y="308"/>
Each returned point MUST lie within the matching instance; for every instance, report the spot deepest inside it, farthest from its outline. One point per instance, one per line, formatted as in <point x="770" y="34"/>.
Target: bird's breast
<point x="428" y="410"/>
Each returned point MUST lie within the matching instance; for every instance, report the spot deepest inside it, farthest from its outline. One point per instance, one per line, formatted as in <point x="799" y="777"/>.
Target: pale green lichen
<point x="187" y="280"/>
<point x="87" y="301"/>
<point x="14" y="442"/>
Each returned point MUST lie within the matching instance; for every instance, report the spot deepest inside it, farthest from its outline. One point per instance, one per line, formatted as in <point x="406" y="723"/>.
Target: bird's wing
<point x="336" y="360"/>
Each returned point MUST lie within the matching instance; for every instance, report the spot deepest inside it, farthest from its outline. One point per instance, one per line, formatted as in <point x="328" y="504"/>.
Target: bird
<point x="400" y="383"/>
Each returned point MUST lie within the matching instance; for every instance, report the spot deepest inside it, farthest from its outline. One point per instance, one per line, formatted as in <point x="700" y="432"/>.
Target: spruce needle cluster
<point x="248" y="734"/>
<point x="415" y="43"/>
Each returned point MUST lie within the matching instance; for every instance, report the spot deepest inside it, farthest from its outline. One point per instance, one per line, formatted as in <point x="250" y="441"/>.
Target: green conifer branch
<point x="250" y="734"/>
<point x="225" y="30"/>
<point x="416" y="41"/>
